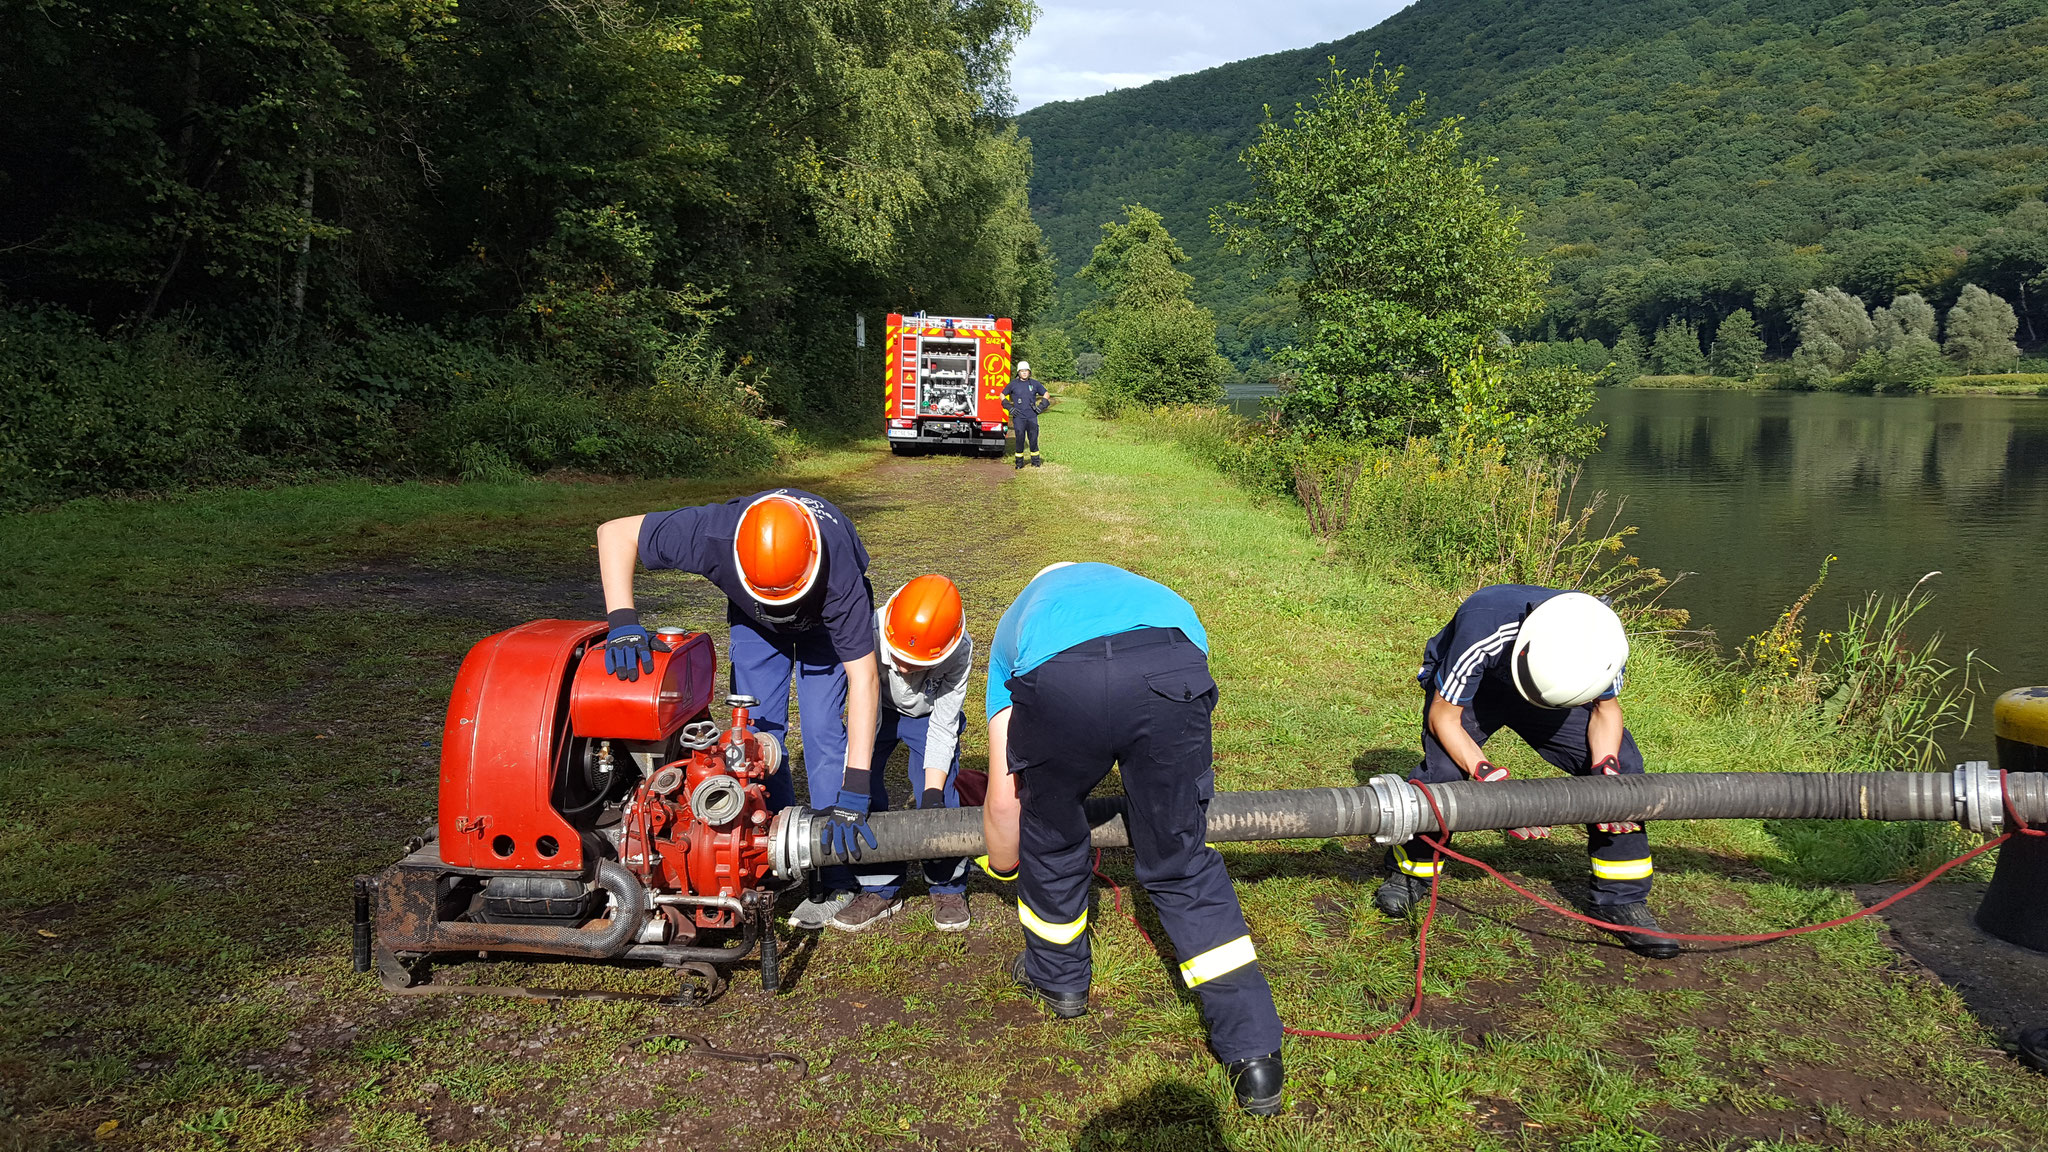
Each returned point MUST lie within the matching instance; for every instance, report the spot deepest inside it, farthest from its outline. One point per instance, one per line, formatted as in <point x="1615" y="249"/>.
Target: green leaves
<point x="1158" y="346"/>
<point x="1401" y="255"/>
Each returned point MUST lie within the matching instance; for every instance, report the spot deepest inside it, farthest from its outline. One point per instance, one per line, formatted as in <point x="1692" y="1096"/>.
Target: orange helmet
<point x="921" y="623"/>
<point x="778" y="549"/>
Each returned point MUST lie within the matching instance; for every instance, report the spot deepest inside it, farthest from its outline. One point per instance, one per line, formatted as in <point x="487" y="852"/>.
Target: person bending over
<point x="1546" y="664"/>
<point x="926" y="656"/>
<point x="794" y="574"/>
<point x="1093" y="667"/>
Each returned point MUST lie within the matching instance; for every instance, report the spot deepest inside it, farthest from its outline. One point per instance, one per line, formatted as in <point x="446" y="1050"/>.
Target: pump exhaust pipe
<point x="1391" y="811"/>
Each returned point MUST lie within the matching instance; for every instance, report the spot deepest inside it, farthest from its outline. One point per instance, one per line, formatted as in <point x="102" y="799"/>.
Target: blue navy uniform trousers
<point x="1621" y="864"/>
<point x="1024" y="426"/>
<point x="763" y="664"/>
<point x="943" y="875"/>
<point x="1139" y="700"/>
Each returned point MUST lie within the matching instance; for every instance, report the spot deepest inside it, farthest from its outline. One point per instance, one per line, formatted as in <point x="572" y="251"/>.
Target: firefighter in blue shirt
<point x="1547" y="664"/>
<point x="1025" y="398"/>
<point x="794" y="574"/>
<point x="1093" y="667"/>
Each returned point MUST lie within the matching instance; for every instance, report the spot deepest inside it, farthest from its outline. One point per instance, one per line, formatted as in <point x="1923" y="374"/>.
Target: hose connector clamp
<point x="1400" y="809"/>
<point x="789" y="842"/>
<point x="1980" y="802"/>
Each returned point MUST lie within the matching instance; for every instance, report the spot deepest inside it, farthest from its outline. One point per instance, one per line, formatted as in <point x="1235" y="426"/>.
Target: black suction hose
<point x="1391" y="805"/>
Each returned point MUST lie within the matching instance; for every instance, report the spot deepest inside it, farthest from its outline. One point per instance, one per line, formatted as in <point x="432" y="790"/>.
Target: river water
<point x="1748" y="492"/>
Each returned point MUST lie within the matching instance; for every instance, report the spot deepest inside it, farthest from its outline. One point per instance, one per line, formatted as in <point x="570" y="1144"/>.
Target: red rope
<point x="1429" y="916"/>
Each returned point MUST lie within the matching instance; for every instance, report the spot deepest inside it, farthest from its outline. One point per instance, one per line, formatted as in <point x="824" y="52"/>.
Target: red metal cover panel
<point x="652" y="707"/>
<point x="995" y="373"/>
<point x="506" y="719"/>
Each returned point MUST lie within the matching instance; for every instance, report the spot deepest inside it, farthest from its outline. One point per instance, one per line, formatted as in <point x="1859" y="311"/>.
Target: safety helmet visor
<point x="778" y="549"/>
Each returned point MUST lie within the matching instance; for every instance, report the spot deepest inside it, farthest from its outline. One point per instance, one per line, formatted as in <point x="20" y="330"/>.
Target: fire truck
<point x="945" y="381"/>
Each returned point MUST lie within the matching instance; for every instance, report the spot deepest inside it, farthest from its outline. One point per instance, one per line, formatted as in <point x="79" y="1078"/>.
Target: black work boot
<point x="1036" y="462"/>
<point x="1256" y="1083"/>
<point x="1399" y="892"/>
<point x="1064" y="1007"/>
<point x="1020" y="461"/>
<point x="1638" y="915"/>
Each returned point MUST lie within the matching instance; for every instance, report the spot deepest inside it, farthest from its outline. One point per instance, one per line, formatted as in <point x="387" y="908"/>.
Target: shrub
<point x="1980" y="331"/>
<point x="80" y="413"/>
<point x="1676" y="351"/>
<point x="1737" y="348"/>
<point x="1588" y="356"/>
<point x="1050" y="351"/>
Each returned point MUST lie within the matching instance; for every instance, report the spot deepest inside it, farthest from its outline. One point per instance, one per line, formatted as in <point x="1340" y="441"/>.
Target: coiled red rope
<point x="2019" y="826"/>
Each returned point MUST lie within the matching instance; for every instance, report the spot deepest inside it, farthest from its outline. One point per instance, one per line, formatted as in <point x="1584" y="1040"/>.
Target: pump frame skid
<point x="585" y="817"/>
<point x="944" y="380"/>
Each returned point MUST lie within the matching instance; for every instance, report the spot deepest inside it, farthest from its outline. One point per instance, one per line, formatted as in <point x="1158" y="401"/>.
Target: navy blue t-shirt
<point x="1024" y="397"/>
<point x="841" y="602"/>
<point x="1477" y="642"/>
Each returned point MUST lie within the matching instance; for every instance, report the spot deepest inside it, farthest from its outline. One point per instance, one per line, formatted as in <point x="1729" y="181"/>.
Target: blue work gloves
<point x="844" y="826"/>
<point x="628" y="649"/>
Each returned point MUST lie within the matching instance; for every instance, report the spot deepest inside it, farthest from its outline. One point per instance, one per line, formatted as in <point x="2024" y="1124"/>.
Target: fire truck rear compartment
<point x="950" y="375"/>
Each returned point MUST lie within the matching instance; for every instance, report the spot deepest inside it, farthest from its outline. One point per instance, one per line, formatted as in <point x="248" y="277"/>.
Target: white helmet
<point x="1023" y="365"/>
<point x="1568" y="652"/>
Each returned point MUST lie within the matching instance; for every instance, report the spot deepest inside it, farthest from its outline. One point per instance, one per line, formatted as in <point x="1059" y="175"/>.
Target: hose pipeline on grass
<point x="1391" y="811"/>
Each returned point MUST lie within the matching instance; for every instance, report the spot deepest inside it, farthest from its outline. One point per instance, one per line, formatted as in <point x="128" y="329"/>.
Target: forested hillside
<point x="1675" y="159"/>
<point x="490" y="237"/>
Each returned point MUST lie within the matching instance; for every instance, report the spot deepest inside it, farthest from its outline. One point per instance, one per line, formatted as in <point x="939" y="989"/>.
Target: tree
<point x="1676" y="351"/>
<point x="1834" y="333"/>
<point x="1400" y="254"/>
<point x="1737" y="348"/>
<point x="1050" y="352"/>
<point x="2013" y="259"/>
<point x="1980" y="332"/>
<point x="1158" y="346"/>
<point x="1631" y="351"/>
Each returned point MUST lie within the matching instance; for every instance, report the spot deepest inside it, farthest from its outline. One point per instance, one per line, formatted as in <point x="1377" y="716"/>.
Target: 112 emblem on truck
<point x="944" y="383"/>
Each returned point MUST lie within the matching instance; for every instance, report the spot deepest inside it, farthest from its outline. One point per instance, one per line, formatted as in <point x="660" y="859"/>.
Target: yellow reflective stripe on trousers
<point x="1423" y="868"/>
<point x="1221" y="960"/>
<point x="1622" y="869"/>
<point x="1047" y="930"/>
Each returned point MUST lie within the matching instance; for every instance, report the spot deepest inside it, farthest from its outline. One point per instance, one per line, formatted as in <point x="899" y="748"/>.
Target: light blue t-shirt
<point x="1065" y="606"/>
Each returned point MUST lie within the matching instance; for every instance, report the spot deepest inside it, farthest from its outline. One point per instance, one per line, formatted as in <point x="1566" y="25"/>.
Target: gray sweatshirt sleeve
<point x="949" y="699"/>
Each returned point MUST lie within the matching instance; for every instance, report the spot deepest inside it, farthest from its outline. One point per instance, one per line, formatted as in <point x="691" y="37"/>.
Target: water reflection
<point x="1750" y="491"/>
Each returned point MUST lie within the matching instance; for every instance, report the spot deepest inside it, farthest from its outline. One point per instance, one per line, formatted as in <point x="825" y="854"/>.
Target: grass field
<point x="218" y="708"/>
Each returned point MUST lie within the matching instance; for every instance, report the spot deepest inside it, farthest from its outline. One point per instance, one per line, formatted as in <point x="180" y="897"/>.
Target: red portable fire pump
<point x="586" y="817"/>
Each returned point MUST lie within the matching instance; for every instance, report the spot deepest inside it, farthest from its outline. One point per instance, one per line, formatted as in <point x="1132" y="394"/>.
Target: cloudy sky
<point x="1079" y="48"/>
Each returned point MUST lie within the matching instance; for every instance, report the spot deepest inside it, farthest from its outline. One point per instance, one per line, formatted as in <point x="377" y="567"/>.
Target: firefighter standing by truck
<point x="794" y="574"/>
<point x="1094" y="667"/>
<point x="1547" y="664"/>
<point x="1025" y="398"/>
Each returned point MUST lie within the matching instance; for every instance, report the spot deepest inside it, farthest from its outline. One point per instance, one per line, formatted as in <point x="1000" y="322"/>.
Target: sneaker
<point x="1257" y="1083"/>
<point x="815" y="912"/>
<point x="1064" y="1007"/>
<point x="865" y="911"/>
<point x="1399" y="892"/>
<point x="949" y="911"/>
<point x="1638" y="915"/>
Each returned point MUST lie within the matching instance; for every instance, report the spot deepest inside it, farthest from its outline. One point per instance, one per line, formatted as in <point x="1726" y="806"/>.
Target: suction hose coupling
<point x="1980" y="801"/>
<point x="1401" y="811"/>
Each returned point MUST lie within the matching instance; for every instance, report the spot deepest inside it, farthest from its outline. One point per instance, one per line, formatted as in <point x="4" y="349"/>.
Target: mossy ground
<point x="219" y="708"/>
